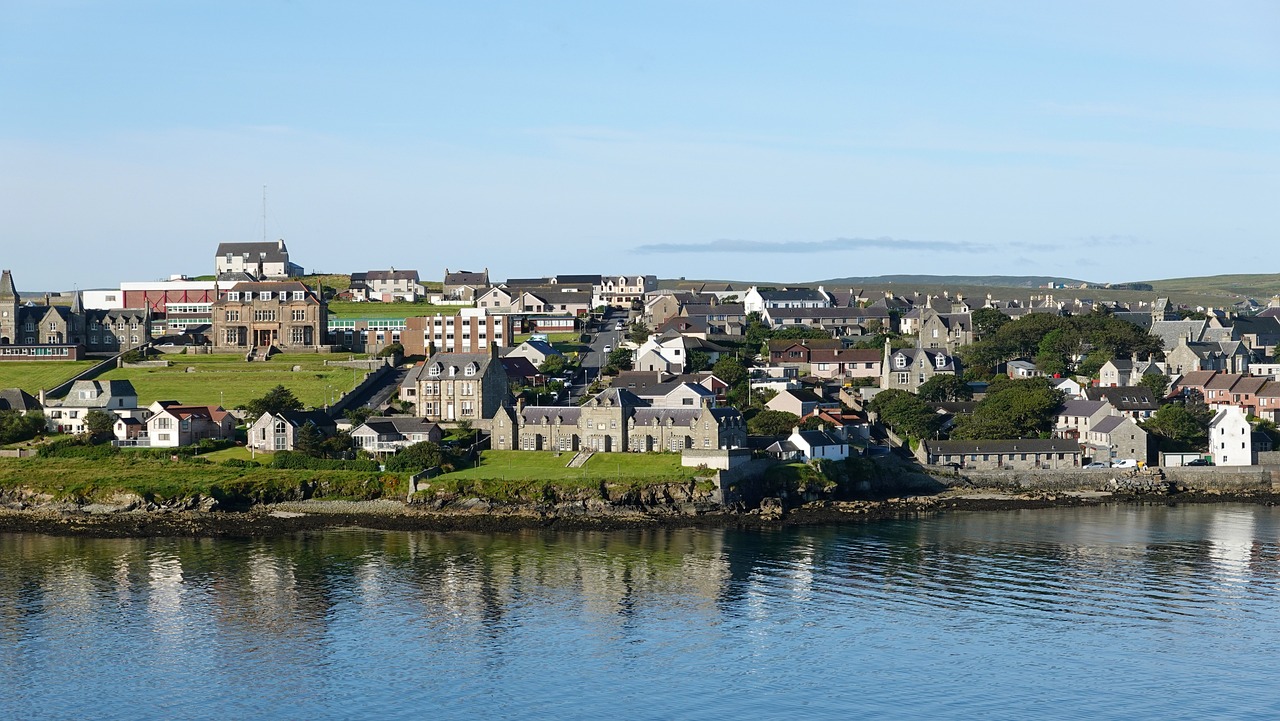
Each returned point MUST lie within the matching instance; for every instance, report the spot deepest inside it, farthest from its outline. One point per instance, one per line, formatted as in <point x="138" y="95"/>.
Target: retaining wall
<point x="1240" y="478"/>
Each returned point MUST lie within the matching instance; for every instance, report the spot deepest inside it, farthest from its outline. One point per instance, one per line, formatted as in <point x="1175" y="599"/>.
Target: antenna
<point x="264" y="213"/>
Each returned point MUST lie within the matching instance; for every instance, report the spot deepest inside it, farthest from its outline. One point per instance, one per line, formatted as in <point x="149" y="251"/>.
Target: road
<point x="595" y="359"/>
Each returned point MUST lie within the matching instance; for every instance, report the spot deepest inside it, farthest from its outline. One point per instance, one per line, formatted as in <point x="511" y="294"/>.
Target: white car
<point x="607" y="349"/>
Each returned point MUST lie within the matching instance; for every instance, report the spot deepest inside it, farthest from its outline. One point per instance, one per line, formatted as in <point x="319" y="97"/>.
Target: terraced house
<point x="616" y="420"/>
<point x="49" y="325"/>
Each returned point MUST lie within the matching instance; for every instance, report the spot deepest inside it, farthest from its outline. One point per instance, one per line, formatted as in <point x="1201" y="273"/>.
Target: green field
<point x="164" y="478"/>
<point x="547" y="466"/>
<point x="227" y="380"/>
<point x="348" y="309"/>
<point x="31" y="376"/>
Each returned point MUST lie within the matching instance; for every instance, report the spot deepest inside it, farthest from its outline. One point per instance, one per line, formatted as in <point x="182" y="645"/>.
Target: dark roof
<point x="465" y="277"/>
<point x="389" y="275"/>
<point x="518" y="367"/>
<point x="400" y="425"/>
<point x="16" y="399"/>
<point x="576" y="279"/>
<point x="796" y="294"/>
<point x="1108" y="424"/>
<point x="270" y="252"/>
<point x="1125" y="398"/>
<point x="810" y="343"/>
<point x="820" y="438"/>
<point x="299" y="419"/>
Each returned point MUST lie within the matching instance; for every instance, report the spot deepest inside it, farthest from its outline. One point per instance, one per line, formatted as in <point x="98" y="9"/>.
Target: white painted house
<point x="1230" y="438"/>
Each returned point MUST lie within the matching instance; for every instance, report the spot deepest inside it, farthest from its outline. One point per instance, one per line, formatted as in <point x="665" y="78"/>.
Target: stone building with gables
<point x="285" y="315"/>
<point x="453" y="387"/>
<point x="24" y="323"/>
<point x="616" y="420"/>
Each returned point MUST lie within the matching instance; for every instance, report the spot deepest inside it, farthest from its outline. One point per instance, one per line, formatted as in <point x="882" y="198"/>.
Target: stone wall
<point x="1244" y="478"/>
<point x="721" y="459"/>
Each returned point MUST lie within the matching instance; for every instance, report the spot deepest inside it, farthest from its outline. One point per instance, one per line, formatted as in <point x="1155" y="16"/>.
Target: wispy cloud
<point x="813" y="246"/>
<point x="1097" y="241"/>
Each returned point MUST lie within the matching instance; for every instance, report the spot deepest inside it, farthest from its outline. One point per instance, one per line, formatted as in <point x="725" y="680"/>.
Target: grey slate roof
<point x="1083" y="409"/>
<point x="1108" y="424"/>
<point x="271" y="252"/>
<point x="16" y="399"/>
<point x="1125" y="398"/>
<point x="103" y="393"/>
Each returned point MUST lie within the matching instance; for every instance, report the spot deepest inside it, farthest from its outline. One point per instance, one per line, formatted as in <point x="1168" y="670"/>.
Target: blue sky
<point x="773" y="141"/>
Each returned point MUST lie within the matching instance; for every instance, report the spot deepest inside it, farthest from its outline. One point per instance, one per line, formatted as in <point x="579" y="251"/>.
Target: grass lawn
<point x="31" y="376"/>
<point x="228" y="380"/>
<point x="348" y="309"/>
<point x="546" y="466"/>
<point x="564" y="342"/>
<point x="238" y="452"/>
<point x="88" y="478"/>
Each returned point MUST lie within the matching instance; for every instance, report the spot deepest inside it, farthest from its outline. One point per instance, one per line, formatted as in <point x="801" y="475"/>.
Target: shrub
<point x="300" y="461"/>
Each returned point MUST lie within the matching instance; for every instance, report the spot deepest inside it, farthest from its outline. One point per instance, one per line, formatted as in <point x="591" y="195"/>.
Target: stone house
<point x="909" y="368"/>
<point x="452" y="387"/>
<point x="1020" y="454"/>
<point x="616" y="420"/>
<point x="98" y="330"/>
<point x="1127" y="372"/>
<point x="1117" y="438"/>
<point x="1137" y="402"/>
<point x="1228" y="356"/>
<point x="285" y="315"/>
<point x="948" y="331"/>
<point x="1076" y="417"/>
<point x="279" y="431"/>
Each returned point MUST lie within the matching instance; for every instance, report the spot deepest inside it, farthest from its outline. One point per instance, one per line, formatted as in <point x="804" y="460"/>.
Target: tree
<point x="944" y="388"/>
<point x="730" y="370"/>
<point x="1157" y="383"/>
<point x="905" y="413"/>
<point x="620" y="358"/>
<point x="1180" y="426"/>
<point x="638" y="333"/>
<point x="697" y="361"/>
<point x="392" y="349"/>
<point x="417" y="457"/>
<point x="987" y="321"/>
<point x="772" y="423"/>
<point x="1012" y="409"/>
<point x="553" y="365"/>
<point x="309" y="441"/>
<point x="359" y="415"/>
<point x="276" y="400"/>
<point x="100" y="425"/>
<point x="16" y="427"/>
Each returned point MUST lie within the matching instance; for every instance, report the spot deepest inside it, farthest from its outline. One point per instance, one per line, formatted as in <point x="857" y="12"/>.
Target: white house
<point x="66" y="415"/>
<point x="1230" y="438"/>
<point x="388" y="435"/>
<point x="811" y="445"/>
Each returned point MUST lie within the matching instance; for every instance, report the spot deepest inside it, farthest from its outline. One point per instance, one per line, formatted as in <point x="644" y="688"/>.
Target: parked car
<point x="607" y="349"/>
<point x="1198" y="462"/>
<point x="1100" y="464"/>
<point x="1124" y="463"/>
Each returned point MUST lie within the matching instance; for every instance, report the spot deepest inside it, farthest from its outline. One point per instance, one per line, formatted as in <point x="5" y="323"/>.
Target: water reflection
<point x="655" y="622"/>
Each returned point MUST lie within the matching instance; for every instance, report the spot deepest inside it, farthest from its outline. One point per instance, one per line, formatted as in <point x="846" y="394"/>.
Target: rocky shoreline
<point x="276" y="519"/>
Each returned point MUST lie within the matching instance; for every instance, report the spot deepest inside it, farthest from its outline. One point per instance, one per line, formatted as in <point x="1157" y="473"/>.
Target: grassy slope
<point x="238" y="382"/>
<point x="84" y="478"/>
<point x="31" y="376"/>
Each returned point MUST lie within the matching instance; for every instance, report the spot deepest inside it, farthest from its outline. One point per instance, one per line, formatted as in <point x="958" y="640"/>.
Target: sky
<point x="787" y="142"/>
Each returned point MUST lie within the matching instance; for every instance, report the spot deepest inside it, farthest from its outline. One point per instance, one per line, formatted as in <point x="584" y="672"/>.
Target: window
<point x="299" y="314"/>
<point x="233" y="295"/>
<point x="299" y="295"/>
<point x="264" y="295"/>
<point x="233" y="315"/>
<point x="264" y="315"/>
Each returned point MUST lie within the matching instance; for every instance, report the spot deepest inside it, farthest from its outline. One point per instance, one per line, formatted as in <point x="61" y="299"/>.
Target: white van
<point x="1124" y="463"/>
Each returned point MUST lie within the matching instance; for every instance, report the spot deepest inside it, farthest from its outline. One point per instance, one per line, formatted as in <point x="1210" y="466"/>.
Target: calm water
<point x="1124" y="613"/>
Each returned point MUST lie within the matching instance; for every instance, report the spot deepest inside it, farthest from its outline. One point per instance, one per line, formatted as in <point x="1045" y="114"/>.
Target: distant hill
<point x="996" y="281"/>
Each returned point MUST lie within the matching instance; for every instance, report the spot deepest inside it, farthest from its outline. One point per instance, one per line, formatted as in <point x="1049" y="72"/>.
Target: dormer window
<point x="264" y="295"/>
<point x="941" y="361"/>
<point x="471" y="369"/>
<point x="299" y="295"/>
<point x="233" y="295"/>
<point x="434" y="370"/>
<point x="899" y="361"/>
